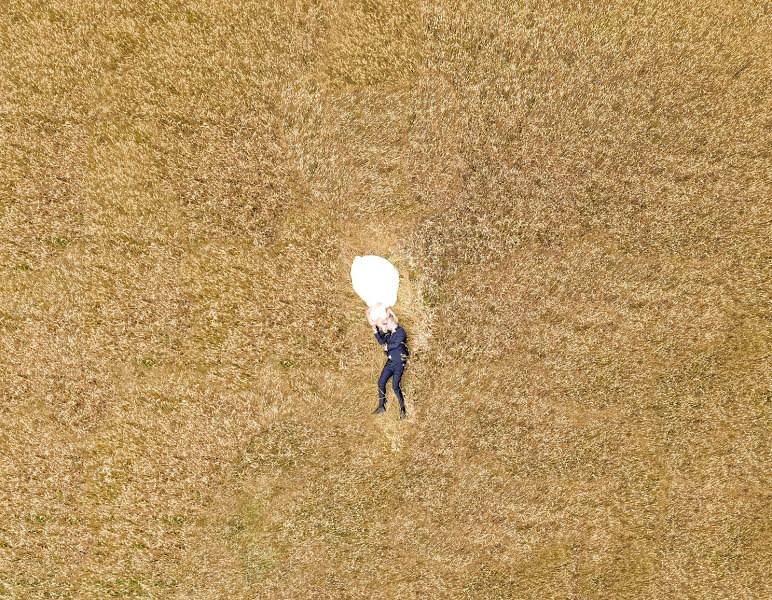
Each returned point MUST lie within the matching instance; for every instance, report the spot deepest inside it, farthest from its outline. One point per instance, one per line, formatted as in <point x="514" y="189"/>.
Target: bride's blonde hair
<point x="389" y="318"/>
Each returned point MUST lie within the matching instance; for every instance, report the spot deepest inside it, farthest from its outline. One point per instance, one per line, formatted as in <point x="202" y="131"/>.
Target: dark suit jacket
<point x="395" y="341"/>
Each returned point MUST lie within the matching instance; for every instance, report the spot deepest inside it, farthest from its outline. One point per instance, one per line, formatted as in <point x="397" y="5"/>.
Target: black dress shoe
<point x="403" y="414"/>
<point x="380" y="409"/>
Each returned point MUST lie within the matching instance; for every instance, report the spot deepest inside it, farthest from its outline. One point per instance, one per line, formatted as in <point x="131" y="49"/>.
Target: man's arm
<point x="378" y="335"/>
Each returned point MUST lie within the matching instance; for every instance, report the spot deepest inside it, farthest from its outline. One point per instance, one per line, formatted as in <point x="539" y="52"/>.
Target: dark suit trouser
<point x="393" y="370"/>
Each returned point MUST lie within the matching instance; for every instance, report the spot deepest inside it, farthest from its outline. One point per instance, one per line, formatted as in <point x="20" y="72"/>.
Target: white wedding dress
<point x="376" y="281"/>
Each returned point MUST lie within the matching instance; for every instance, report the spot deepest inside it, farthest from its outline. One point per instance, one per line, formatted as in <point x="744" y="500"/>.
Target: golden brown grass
<point x="577" y="197"/>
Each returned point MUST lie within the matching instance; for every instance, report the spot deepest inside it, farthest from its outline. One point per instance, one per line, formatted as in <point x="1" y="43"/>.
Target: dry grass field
<point x="577" y="195"/>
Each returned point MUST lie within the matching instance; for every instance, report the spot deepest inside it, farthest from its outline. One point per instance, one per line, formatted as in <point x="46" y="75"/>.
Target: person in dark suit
<point x="390" y="334"/>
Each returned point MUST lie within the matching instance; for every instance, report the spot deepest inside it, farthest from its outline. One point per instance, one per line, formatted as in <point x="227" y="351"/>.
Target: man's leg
<point x="398" y="370"/>
<point x="382" y="381"/>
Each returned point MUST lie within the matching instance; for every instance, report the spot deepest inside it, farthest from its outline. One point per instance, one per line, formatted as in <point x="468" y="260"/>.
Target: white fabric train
<point x="376" y="281"/>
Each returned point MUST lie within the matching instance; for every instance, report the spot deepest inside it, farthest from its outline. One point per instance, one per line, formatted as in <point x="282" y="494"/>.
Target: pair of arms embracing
<point x="374" y="323"/>
<point x="398" y="334"/>
<point x="395" y="340"/>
